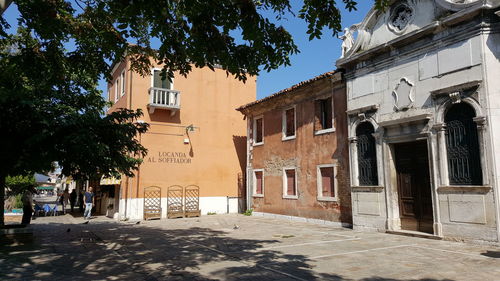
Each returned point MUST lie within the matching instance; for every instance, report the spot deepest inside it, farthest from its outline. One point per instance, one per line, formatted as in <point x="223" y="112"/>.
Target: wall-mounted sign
<point x="170" y="157"/>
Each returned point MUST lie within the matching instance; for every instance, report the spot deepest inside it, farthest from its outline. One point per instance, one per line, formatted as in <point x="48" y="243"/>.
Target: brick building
<point x="297" y="160"/>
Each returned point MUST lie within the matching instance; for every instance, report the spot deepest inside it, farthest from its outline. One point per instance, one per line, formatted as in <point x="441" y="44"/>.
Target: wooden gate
<point x="152" y="202"/>
<point x="192" y="204"/>
<point x="175" y="202"/>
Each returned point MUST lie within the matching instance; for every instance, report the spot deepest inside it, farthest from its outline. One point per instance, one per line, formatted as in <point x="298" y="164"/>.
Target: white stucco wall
<point x="219" y="205"/>
<point x="455" y="56"/>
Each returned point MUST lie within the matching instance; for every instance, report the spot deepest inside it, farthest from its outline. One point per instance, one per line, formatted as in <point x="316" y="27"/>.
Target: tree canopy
<point x="50" y="106"/>
<point x="19" y="184"/>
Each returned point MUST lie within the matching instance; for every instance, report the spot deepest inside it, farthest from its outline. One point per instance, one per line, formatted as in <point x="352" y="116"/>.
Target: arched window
<point x="462" y="146"/>
<point x="367" y="155"/>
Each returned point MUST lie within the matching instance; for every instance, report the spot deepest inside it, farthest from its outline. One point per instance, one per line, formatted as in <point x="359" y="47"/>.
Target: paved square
<point x="235" y="247"/>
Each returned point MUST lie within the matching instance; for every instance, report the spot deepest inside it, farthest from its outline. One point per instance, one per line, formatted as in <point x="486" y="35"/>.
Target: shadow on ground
<point x="99" y="250"/>
<point x="492" y="254"/>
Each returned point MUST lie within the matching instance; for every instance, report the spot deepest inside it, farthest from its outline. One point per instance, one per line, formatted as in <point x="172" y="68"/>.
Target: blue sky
<point x="315" y="57"/>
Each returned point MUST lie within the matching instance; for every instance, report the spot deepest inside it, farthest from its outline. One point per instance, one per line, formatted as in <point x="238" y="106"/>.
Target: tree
<point x="19" y="184"/>
<point x="50" y="108"/>
<point x="51" y="111"/>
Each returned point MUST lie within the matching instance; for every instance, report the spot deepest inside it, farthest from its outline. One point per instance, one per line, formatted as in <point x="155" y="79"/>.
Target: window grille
<point x="462" y="146"/>
<point x="367" y="155"/>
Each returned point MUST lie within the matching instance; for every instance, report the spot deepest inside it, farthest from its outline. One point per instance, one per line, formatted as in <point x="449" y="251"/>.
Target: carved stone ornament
<point x="401" y="16"/>
<point x="362" y="117"/>
<point x="403" y="94"/>
<point x="455" y="97"/>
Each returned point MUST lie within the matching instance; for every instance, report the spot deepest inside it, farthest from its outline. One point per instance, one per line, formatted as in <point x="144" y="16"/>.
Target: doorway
<point x="414" y="188"/>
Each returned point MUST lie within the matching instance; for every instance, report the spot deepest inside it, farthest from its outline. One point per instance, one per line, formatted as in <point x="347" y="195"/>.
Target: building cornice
<point x="458" y="17"/>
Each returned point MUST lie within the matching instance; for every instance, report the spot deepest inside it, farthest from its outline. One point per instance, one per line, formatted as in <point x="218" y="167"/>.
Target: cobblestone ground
<point x="234" y="247"/>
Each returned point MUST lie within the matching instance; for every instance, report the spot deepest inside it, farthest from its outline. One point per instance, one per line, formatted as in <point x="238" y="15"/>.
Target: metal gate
<point x="152" y="202"/>
<point x="175" y="202"/>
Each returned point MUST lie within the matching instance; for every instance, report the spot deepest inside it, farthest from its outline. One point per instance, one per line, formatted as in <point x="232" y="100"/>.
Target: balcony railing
<point x="160" y="98"/>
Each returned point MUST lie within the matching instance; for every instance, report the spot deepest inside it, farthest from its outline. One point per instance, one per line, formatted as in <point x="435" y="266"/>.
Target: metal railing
<point x="164" y="98"/>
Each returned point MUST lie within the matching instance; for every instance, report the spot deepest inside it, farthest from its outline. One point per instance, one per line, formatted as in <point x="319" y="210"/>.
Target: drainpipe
<point x="249" y="163"/>
<point x="127" y="188"/>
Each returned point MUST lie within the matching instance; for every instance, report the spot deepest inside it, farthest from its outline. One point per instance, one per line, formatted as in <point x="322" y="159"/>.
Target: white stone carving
<point x="347" y="39"/>
<point x="403" y="94"/>
<point x="422" y="15"/>
<point x="362" y="117"/>
<point x="401" y="16"/>
<point x="455" y="97"/>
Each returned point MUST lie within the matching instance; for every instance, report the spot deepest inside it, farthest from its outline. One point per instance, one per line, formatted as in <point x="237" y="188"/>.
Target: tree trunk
<point x="2" y="199"/>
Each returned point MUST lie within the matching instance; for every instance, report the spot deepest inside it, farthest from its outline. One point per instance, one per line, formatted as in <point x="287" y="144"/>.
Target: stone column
<point x="433" y="164"/>
<point x="481" y="127"/>
<point x="380" y="156"/>
<point x="353" y="144"/>
<point x="443" y="159"/>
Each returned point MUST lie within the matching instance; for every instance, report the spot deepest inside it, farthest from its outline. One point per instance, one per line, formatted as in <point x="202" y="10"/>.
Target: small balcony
<point x="160" y="98"/>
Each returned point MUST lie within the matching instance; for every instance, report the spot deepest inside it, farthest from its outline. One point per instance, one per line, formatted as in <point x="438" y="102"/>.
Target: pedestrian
<point x="27" y="199"/>
<point x="80" y="201"/>
<point x="65" y="200"/>
<point x="72" y="199"/>
<point x="89" y="200"/>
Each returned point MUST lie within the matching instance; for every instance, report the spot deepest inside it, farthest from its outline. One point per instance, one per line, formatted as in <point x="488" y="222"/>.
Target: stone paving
<point x="234" y="247"/>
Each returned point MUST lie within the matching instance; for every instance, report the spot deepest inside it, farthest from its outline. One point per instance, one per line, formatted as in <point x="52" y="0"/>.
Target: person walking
<point x="89" y="200"/>
<point x="72" y="199"/>
<point x="65" y="200"/>
<point x="27" y="199"/>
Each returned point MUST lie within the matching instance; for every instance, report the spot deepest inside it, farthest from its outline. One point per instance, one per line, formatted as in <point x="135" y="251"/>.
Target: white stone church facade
<point x="423" y="90"/>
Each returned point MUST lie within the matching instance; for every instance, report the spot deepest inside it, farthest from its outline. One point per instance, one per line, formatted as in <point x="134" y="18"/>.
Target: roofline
<point x="290" y="89"/>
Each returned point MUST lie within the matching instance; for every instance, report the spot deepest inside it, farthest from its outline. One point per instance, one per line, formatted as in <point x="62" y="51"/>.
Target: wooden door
<point x="414" y="189"/>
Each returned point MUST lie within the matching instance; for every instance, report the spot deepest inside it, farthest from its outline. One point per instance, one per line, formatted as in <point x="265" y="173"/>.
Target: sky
<point x="316" y="57"/>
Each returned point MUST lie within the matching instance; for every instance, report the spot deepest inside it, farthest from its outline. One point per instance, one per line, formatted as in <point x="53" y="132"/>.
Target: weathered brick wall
<point x="304" y="152"/>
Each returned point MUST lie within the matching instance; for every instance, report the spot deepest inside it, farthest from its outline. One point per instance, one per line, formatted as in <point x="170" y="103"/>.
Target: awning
<point x="110" y="181"/>
<point x="45" y="187"/>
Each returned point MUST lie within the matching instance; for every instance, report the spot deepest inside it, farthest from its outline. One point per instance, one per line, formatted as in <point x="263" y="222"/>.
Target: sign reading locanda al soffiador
<point x="170" y="157"/>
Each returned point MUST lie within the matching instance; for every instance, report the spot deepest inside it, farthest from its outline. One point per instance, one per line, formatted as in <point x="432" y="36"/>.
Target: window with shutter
<point x="259" y="131"/>
<point x="326" y="182"/>
<point x="122" y="86"/>
<point x="323" y="115"/>
<point x="289" y="123"/>
<point x="159" y="82"/>
<point x="259" y="182"/>
<point x="290" y="182"/>
<point x="117" y="83"/>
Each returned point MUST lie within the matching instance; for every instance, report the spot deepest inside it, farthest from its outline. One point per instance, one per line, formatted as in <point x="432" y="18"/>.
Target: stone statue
<point x="348" y="39"/>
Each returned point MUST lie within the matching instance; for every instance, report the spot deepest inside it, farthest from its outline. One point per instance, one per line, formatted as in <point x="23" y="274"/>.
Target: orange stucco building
<point x="195" y="136"/>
